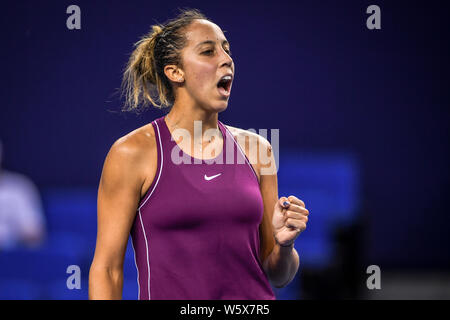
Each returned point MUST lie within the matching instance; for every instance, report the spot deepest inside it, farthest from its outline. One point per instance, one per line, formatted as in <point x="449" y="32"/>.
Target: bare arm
<point x="118" y="197"/>
<point x="280" y="263"/>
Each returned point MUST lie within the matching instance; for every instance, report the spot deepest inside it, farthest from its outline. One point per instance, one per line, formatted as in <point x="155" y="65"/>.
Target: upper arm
<point x="118" y="198"/>
<point x="269" y="192"/>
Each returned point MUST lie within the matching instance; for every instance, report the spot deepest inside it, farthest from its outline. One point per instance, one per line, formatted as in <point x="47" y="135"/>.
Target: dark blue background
<point x="310" y="68"/>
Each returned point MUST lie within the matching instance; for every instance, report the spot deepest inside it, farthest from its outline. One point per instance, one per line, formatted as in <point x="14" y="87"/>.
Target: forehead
<point x="202" y="30"/>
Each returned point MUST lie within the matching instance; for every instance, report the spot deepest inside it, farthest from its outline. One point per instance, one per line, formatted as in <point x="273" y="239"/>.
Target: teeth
<point x="226" y="78"/>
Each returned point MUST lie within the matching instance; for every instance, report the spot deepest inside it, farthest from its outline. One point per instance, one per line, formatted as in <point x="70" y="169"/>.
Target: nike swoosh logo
<point x="212" y="177"/>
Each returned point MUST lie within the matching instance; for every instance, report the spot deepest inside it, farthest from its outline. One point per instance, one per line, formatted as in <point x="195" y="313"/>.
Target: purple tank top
<point x="196" y="232"/>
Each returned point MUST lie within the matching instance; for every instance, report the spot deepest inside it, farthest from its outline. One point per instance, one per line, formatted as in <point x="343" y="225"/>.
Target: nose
<point x="226" y="60"/>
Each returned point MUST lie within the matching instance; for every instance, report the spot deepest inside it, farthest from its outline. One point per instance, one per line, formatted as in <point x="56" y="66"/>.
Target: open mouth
<point x="224" y="85"/>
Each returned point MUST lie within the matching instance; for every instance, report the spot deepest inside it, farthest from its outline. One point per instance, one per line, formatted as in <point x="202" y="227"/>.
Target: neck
<point x="185" y="116"/>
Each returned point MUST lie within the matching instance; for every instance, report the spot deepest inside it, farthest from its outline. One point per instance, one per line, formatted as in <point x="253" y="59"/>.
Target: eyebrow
<point x="211" y="42"/>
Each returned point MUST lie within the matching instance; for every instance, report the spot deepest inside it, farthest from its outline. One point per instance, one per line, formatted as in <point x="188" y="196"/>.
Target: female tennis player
<point x="202" y="226"/>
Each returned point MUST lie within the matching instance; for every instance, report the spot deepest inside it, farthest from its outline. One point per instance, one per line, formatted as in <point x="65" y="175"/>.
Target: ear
<point x="174" y="73"/>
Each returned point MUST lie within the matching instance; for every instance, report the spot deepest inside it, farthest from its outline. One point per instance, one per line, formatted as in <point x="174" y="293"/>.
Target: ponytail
<point x="140" y="74"/>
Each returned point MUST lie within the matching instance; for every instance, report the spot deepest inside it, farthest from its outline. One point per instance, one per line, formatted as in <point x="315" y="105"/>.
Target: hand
<point x="289" y="220"/>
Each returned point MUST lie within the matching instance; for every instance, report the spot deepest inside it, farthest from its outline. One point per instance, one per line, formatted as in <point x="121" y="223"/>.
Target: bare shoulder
<point x="134" y="157"/>
<point x="238" y="132"/>
<point x="247" y="135"/>
<point x="256" y="147"/>
<point x="136" y="143"/>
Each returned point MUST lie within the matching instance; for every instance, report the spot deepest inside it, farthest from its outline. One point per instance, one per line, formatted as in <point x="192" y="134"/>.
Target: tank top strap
<point x="162" y="131"/>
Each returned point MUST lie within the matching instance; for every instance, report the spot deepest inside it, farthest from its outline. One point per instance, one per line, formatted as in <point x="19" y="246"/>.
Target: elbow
<point x="105" y="282"/>
<point x="114" y="274"/>
<point x="275" y="279"/>
<point x="281" y="277"/>
<point x="279" y="285"/>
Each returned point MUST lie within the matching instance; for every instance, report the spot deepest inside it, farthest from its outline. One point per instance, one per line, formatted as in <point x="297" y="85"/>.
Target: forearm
<point x="105" y="283"/>
<point x="281" y="265"/>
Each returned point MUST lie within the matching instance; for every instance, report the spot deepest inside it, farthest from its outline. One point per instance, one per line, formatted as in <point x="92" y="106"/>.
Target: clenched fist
<point x="289" y="220"/>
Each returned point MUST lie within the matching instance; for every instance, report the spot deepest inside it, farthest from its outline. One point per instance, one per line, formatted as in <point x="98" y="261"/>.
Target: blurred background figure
<point x="22" y="221"/>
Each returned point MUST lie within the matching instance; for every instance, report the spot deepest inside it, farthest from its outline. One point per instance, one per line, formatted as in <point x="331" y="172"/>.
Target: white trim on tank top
<point x="146" y="247"/>
<point x="160" y="167"/>
<point x="140" y="215"/>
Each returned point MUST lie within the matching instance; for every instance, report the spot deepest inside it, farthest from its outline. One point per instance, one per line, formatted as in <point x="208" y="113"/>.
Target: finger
<point x="296" y="215"/>
<point x="297" y="208"/>
<point x="283" y="202"/>
<point x="297" y="201"/>
<point x="296" y="224"/>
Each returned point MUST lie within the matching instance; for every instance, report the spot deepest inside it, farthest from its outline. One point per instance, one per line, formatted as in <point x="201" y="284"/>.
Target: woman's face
<point x="206" y="59"/>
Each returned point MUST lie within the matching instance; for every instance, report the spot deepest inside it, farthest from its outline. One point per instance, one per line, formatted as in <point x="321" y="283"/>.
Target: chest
<point x="203" y="196"/>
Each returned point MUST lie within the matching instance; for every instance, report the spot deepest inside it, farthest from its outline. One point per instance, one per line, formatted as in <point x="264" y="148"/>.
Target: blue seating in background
<point x="13" y="289"/>
<point x="33" y="265"/>
<point x="73" y="210"/>
<point x="130" y="285"/>
<point x="336" y="176"/>
<point x="329" y="186"/>
<point x="72" y="245"/>
<point x="57" y="290"/>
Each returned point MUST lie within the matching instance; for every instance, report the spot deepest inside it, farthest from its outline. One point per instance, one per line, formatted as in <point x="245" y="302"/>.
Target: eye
<point x="207" y="52"/>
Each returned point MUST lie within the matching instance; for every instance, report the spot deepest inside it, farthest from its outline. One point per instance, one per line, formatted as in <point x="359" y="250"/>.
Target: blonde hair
<point x="144" y="77"/>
